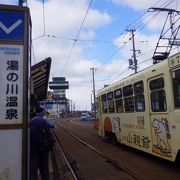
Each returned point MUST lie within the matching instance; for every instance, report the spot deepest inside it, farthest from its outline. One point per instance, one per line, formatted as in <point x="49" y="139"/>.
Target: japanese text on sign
<point x="11" y="86"/>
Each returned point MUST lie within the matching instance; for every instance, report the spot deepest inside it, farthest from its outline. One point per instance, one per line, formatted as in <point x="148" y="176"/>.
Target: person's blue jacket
<point x="34" y="131"/>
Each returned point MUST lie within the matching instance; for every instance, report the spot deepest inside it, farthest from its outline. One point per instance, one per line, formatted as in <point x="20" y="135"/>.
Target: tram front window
<point x="176" y="87"/>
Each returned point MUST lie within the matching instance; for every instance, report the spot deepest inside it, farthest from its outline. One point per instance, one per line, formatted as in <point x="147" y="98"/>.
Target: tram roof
<point x="39" y="78"/>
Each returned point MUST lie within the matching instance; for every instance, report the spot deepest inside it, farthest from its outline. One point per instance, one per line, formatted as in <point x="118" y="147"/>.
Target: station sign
<point x="15" y="30"/>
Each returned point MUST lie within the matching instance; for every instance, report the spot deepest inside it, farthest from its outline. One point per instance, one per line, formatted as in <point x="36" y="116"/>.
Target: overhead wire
<point x="44" y="25"/>
<point x="33" y="54"/>
<point x="165" y="5"/>
<point x="44" y="30"/>
<point x="138" y="25"/>
<point x="69" y="55"/>
<point x="132" y="25"/>
<point x="112" y="47"/>
<point x="116" y="45"/>
<point x="76" y="39"/>
<point x="83" y="40"/>
<point x="147" y="21"/>
<point x="119" y="75"/>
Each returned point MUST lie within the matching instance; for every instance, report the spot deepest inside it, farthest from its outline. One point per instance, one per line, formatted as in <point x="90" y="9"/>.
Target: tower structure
<point x="61" y="105"/>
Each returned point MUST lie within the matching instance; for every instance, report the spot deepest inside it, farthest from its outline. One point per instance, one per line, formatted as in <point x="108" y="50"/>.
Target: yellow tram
<point x="143" y="110"/>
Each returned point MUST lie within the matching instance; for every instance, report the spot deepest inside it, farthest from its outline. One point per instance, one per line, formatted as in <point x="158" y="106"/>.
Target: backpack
<point x="45" y="141"/>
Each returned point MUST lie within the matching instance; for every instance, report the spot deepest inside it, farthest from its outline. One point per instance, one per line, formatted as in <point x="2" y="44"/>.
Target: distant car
<point x="85" y="116"/>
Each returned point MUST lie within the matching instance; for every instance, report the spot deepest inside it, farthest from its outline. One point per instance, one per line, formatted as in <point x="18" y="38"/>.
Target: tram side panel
<point x="156" y="129"/>
<point x="132" y="129"/>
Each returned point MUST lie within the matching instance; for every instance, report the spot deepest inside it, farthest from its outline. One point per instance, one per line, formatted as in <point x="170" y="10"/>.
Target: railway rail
<point x="61" y="152"/>
<point x="80" y="156"/>
<point x="75" y="175"/>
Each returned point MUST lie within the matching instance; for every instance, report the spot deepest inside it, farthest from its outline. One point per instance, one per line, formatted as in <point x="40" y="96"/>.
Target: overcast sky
<point x="78" y="39"/>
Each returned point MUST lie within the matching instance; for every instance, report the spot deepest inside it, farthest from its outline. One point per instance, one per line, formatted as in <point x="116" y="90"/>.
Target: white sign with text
<point x="11" y="84"/>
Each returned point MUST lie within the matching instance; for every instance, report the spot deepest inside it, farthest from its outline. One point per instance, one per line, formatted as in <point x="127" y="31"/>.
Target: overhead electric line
<point x="44" y="25"/>
<point x="140" y="26"/>
<point x="133" y="26"/>
<point x="83" y="40"/>
<point x="163" y="5"/>
<point x="119" y="75"/>
<point x="76" y="37"/>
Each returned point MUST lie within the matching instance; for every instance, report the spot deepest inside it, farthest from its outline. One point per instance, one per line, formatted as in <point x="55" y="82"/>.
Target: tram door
<point x="161" y="137"/>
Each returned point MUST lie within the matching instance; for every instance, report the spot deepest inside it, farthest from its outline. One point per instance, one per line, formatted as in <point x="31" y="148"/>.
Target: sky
<point x="80" y="35"/>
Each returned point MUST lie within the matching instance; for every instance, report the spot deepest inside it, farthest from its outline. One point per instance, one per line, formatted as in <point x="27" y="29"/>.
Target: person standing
<point x="39" y="159"/>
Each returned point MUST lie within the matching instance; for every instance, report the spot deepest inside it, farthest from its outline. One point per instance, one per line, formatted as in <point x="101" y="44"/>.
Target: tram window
<point x="119" y="105"/>
<point x="117" y="93"/>
<point x="129" y="104"/>
<point x="104" y="107"/>
<point x="103" y="97"/>
<point x="157" y="84"/>
<point x="111" y="106"/>
<point x="110" y="95"/>
<point x="176" y="87"/>
<point x="104" y="103"/>
<point x="110" y="102"/>
<point x="127" y="90"/>
<point x="139" y="96"/>
<point x="158" y="101"/>
<point x="139" y="103"/>
<point x="138" y="87"/>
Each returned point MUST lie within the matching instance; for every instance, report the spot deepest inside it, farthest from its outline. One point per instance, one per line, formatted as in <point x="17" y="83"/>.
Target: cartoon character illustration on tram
<point x="116" y="125"/>
<point x="161" y="130"/>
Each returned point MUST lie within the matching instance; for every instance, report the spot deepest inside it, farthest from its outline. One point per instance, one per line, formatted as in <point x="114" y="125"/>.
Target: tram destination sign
<point x="11" y="82"/>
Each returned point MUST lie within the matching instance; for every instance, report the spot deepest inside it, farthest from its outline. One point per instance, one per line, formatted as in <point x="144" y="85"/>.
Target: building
<point x="58" y="105"/>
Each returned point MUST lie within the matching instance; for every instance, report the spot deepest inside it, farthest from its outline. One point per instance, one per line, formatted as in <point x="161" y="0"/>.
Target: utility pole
<point x="71" y="112"/>
<point x="94" y="105"/>
<point x="133" y="63"/>
<point x="91" y="103"/>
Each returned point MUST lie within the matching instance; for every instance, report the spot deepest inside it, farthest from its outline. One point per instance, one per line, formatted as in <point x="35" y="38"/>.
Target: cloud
<point x="64" y="18"/>
<point x="62" y="22"/>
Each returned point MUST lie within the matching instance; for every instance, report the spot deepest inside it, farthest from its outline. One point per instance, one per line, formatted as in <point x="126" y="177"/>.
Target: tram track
<point x="61" y="153"/>
<point x="82" y="157"/>
<point x="119" y="166"/>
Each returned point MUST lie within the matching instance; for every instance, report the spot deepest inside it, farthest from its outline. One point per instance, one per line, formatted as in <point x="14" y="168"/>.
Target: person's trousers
<point x="39" y="161"/>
